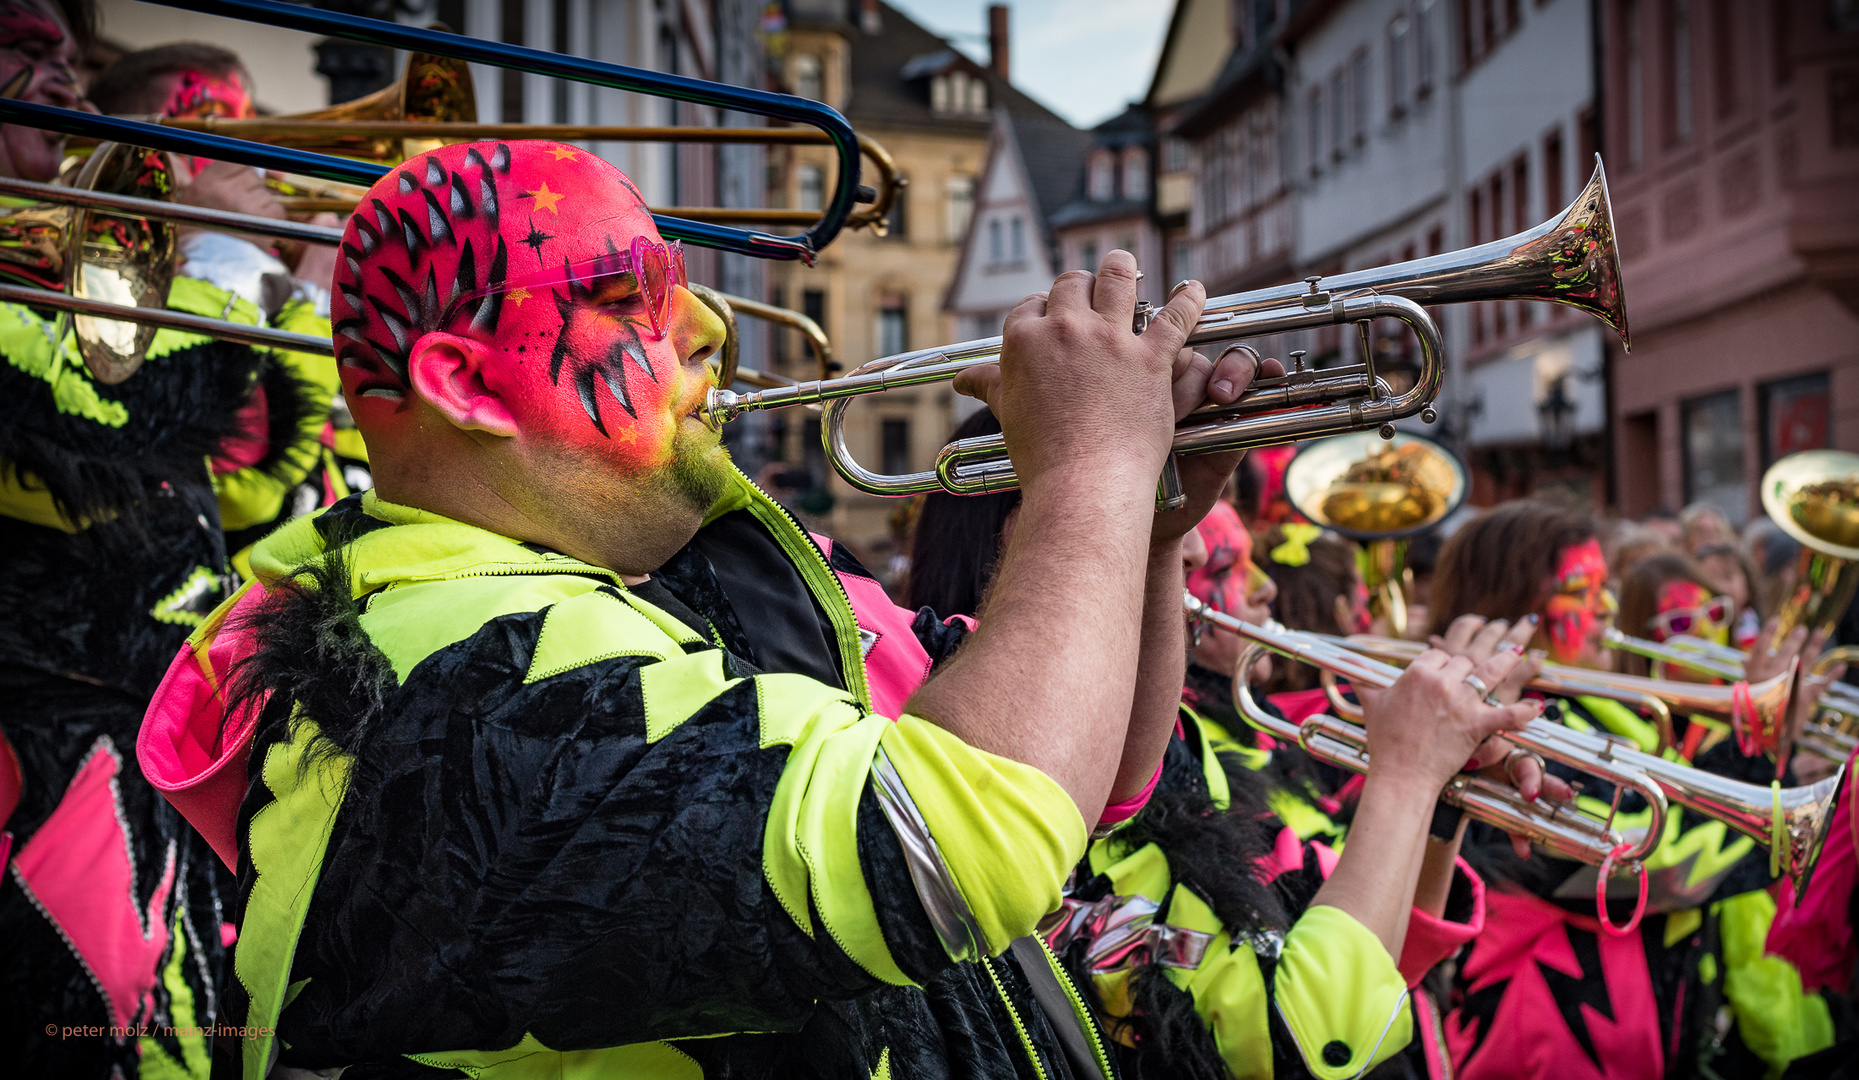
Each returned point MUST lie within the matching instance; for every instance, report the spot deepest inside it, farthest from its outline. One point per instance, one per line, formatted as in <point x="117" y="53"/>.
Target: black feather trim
<point x="179" y="406"/>
<point x="315" y="661"/>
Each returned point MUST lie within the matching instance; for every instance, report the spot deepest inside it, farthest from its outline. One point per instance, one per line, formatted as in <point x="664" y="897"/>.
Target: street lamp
<point x="1555" y="416"/>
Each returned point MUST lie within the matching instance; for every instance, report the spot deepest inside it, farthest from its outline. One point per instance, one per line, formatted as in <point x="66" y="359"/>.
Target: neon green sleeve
<point x="1340" y="1034"/>
<point x="1776" y="1018"/>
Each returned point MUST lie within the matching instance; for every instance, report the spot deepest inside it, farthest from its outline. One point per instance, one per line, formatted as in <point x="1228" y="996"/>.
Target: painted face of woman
<point x="1577" y="612"/>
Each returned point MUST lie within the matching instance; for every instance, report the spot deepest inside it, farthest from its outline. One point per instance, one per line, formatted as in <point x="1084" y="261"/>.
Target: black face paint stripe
<point x="411" y="235"/>
<point x="584" y="387"/>
<point x="407" y="298"/>
<point x="436" y="222"/>
<point x="616" y="384"/>
<point x="465" y="277"/>
<point x="500" y="158"/>
<point x="435" y="174"/>
<point x="461" y="205"/>
<point x="407" y="183"/>
<point x="631" y="346"/>
<point x="564" y="306"/>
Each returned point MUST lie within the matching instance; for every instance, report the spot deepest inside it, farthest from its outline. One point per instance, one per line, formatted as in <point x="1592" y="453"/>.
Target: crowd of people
<point x="455" y="707"/>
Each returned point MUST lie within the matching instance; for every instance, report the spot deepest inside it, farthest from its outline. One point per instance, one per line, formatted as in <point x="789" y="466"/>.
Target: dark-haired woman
<point x="1547" y="990"/>
<point x="1196" y="923"/>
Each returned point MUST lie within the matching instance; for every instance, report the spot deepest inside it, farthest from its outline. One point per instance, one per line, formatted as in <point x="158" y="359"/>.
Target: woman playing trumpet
<point x="1549" y="990"/>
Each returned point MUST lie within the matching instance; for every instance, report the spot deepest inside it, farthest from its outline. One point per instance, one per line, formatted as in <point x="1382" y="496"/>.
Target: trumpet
<point x="1768" y="699"/>
<point x="1791" y="822"/>
<point x="1569" y="259"/>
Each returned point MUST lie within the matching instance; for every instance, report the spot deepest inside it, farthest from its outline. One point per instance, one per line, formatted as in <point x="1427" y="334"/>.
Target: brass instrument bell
<point x="1814" y="497"/>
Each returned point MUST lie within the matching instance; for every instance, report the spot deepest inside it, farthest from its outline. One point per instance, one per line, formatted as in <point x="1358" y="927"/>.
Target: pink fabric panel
<point x="1427" y="1018"/>
<point x="77" y="870"/>
<point x="1512" y="1025"/>
<point x="1430" y="940"/>
<point x="1816" y="933"/>
<point x="182" y="750"/>
<point x="1300" y="705"/>
<point x="1125" y="810"/>
<point x="250" y="441"/>
<point x="895" y="663"/>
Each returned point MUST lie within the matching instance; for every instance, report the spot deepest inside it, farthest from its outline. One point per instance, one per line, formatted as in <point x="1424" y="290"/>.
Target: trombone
<point x="1569" y="259"/>
<point x="727" y="307"/>
<point x="1791" y="822"/>
<point x="802" y="246"/>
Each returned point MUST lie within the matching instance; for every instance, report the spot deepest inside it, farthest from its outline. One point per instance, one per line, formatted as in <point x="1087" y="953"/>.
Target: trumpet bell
<point x="1814" y="497"/>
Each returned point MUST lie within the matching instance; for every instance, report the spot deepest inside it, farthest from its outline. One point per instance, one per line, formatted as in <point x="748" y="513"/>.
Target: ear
<point x="448" y="372"/>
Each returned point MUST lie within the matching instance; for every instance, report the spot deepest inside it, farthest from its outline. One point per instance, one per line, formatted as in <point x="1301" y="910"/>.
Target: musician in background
<point x="571" y="739"/>
<point x="110" y="539"/>
<point x="1528" y="993"/>
<point x="288" y="456"/>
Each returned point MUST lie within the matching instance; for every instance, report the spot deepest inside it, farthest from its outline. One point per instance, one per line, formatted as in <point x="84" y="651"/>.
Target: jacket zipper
<point x="820" y="578"/>
<point x="1085" y="1016"/>
<point x="1013" y="1014"/>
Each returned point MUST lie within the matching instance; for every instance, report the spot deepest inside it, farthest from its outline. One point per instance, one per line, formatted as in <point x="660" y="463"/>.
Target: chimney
<point x="997" y="39"/>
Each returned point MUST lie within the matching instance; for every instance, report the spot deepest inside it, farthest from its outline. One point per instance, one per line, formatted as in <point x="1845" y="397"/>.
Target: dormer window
<point x="1101" y="179"/>
<point x="1135" y="173"/>
<point x="956" y="91"/>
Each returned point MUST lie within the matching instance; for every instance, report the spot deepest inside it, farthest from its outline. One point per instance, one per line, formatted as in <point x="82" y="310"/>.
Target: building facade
<point x="933" y="109"/>
<point x="1733" y="149"/>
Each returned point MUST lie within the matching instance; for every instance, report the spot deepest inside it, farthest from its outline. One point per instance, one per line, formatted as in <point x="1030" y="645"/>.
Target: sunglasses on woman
<point x="656" y="267"/>
<point x="1711" y="614"/>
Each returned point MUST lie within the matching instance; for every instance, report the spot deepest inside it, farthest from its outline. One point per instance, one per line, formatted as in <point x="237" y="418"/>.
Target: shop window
<point x="1796" y="415"/>
<point x="1713" y="454"/>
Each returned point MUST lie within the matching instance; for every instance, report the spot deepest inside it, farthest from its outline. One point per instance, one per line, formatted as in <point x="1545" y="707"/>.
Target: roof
<point x="1052" y="153"/>
<point x="890" y="73"/>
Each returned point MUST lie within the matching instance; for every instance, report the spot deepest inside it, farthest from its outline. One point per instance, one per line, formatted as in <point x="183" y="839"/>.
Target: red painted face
<point x="539" y="250"/>
<point x="1225" y="582"/>
<point x="38" y="63"/>
<point x="1577" y="612"/>
<point x="195" y="94"/>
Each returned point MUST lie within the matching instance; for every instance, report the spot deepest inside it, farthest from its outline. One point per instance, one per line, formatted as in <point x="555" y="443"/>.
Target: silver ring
<point x="1477" y="684"/>
<point x="1491" y="699"/>
<point x="1511" y="759"/>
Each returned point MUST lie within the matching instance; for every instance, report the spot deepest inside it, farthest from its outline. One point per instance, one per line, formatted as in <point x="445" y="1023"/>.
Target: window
<point x="812" y="183"/>
<point x="1552" y="171"/>
<point x="893" y="327"/>
<point x="939" y="94"/>
<point x="1398" y="47"/>
<point x="1339" y="111"/>
<point x="1101" y="182"/>
<point x="1087" y="255"/>
<point x="1183" y="261"/>
<point x="1359" y="96"/>
<point x="894" y="434"/>
<point x="1313" y="128"/>
<point x="1426" y="23"/>
<point x="1520" y="194"/>
<point x="1436" y="241"/>
<point x="1017" y="240"/>
<point x="1795" y="416"/>
<point x="996" y="252"/>
<point x="813" y="305"/>
<point x="1713" y="454"/>
<point x="897" y="222"/>
<point x="1135" y="173"/>
<point x="956" y="91"/>
<point x="977" y="96"/>
<point x="1636" y="82"/>
<point x="1174" y="153"/>
<point x="1724" y="60"/>
<point x="808" y="82"/>
<point x="960" y="206"/>
<point x="1678" y="63"/>
<point x="1475" y="211"/>
<point x="1127" y="243"/>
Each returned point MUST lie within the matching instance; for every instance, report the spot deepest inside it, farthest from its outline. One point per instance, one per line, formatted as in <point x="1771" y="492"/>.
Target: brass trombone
<point x="1791" y="822"/>
<point x="1569" y="259"/>
<point x="729" y="367"/>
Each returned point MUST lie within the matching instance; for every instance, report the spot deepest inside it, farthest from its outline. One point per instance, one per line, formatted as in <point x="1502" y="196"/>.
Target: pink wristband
<point x="1117" y="813"/>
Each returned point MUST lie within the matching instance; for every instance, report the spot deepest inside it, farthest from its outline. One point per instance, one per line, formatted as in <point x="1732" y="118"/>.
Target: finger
<point x="1172" y="325"/>
<point x="1271" y="368"/>
<point x="1520" y="676"/>
<point x="1115" y="295"/>
<point x="1189" y="385"/>
<point x="1232" y="373"/>
<point x="1431" y="660"/>
<point x="1071" y="292"/>
<point x="1494" y="669"/>
<point x="982" y="381"/>
<point x="1556" y="789"/>
<point x="1526" y="776"/>
<point x="1031" y="308"/>
<point x="1520" y="844"/>
<point x="1487" y="639"/>
<point x="1460" y="633"/>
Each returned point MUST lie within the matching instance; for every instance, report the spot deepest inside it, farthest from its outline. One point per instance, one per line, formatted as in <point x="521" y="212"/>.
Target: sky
<point x="1083" y="59"/>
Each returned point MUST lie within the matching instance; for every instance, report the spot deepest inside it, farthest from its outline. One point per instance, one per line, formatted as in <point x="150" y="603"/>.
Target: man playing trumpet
<point x="566" y="738"/>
